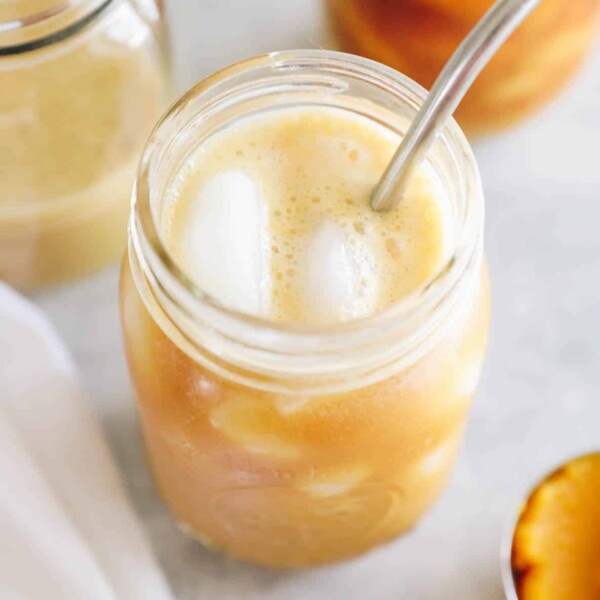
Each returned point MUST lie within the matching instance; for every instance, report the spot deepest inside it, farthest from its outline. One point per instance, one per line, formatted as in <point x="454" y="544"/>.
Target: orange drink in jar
<point x="304" y="366"/>
<point x="417" y="37"/>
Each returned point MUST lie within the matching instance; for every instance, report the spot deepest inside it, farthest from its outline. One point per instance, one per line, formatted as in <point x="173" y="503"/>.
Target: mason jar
<point x="295" y="445"/>
<point x="81" y="86"/>
<point x="417" y="37"/>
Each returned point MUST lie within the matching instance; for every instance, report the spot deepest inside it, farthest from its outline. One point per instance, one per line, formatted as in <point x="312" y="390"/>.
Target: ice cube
<point x="223" y="245"/>
<point x="287" y="405"/>
<point x="338" y="275"/>
<point x="438" y="459"/>
<point x="334" y="482"/>
<point x="328" y="279"/>
<point x="248" y="421"/>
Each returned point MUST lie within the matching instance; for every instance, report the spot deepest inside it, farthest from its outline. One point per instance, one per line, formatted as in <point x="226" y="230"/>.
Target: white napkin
<point x="67" y="530"/>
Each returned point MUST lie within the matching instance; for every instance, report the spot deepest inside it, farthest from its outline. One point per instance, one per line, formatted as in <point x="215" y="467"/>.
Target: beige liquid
<point x="74" y="116"/>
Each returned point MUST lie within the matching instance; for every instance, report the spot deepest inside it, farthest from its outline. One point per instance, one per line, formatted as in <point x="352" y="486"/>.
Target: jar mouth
<point x="309" y="69"/>
<point x="52" y="22"/>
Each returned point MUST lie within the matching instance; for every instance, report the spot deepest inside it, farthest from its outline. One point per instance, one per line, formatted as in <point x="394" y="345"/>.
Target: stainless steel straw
<point x="448" y="90"/>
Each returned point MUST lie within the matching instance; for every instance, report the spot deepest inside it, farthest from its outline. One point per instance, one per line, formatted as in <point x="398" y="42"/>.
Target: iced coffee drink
<point x="304" y="365"/>
<point x="82" y="85"/>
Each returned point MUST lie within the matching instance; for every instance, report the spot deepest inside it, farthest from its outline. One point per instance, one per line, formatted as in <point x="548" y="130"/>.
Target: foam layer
<point x="271" y="216"/>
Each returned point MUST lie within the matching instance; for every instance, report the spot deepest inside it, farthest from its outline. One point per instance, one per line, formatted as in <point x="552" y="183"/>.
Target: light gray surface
<point x="538" y="402"/>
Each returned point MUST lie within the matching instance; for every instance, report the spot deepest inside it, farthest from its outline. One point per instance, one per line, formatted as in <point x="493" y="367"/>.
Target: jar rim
<point x="49" y="25"/>
<point x="172" y="285"/>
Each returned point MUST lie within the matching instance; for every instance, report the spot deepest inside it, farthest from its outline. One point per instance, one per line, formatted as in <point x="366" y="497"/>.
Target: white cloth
<point x="67" y="529"/>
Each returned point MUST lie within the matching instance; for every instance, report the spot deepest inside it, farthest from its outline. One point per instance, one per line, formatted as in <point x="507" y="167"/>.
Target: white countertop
<point x="539" y="402"/>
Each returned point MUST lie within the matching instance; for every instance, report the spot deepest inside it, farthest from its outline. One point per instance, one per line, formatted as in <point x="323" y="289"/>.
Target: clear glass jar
<point x="417" y="37"/>
<point x="82" y="84"/>
<point x="295" y="445"/>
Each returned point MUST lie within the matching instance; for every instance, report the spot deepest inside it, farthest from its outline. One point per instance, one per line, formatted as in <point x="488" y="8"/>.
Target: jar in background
<point x="81" y="85"/>
<point x="293" y="446"/>
<point x="417" y="37"/>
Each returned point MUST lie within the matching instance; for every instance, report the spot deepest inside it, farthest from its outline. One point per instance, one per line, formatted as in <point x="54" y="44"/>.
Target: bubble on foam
<point x="392" y="247"/>
<point x="224" y="242"/>
<point x="337" y="274"/>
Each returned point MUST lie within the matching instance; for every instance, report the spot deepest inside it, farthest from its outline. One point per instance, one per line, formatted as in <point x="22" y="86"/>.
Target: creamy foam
<point x="271" y="216"/>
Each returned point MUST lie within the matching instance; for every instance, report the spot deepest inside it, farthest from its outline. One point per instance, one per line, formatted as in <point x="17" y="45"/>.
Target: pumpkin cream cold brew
<point x="300" y="454"/>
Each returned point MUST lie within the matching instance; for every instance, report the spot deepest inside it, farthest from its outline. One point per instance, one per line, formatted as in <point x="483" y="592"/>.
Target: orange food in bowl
<point x="556" y="545"/>
<point x="417" y="37"/>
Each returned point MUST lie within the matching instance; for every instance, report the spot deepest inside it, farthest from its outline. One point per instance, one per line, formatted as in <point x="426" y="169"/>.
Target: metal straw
<point x="448" y="90"/>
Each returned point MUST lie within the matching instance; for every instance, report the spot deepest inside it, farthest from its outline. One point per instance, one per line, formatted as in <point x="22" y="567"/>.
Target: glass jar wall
<point x="294" y="446"/>
<point x="417" y="37"/>
<point x="82" y="85"/>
